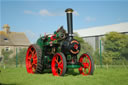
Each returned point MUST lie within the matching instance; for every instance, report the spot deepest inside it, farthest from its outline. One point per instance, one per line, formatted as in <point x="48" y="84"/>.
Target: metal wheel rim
<point x="85" y="69"/>
<point x="31" y="60"/>
<point x="57" y="65"/>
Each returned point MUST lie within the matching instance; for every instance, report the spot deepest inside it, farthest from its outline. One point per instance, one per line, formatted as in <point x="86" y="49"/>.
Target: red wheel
<point x="87" y="64"/>
<point x="58" y="64"/>
<point x="33" y="59"/>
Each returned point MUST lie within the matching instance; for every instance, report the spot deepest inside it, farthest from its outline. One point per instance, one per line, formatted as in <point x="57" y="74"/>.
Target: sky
<point x="35" y="17"/>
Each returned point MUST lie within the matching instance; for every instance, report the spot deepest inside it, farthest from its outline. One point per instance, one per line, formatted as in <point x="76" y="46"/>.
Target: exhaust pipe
<point x="69" y="12"/>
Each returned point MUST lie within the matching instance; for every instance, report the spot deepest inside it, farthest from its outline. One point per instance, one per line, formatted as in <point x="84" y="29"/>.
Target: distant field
<point x="19" y="76"/>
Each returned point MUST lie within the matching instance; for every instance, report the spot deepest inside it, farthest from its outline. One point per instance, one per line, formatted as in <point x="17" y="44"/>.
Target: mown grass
<point x="102" y="76"/>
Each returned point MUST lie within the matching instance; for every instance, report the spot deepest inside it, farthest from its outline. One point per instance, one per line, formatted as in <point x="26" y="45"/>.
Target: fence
<point x="13" y="59"/>
<point x="18" y="59"/>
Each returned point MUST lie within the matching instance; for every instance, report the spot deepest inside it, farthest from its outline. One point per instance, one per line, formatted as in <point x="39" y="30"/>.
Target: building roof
<point x="13" y="39"/>
<point x="102" y="30"/>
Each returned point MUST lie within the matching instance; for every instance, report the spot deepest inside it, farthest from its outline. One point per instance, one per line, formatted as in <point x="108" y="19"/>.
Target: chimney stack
<point x="69" y="12"/>
<point x="6" y="28"/>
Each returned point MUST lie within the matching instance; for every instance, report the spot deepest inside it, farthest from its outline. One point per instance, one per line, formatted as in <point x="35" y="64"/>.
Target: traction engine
<point x="58" y="52"/>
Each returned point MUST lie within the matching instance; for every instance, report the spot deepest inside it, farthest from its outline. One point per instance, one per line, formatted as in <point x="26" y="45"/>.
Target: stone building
<point x="12" y="40"/>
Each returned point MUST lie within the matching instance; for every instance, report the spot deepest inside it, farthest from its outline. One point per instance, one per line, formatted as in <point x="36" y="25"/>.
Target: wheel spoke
<point x="30" y="66"/>
<point x="85" y="70"/>
<point x="34" y="55"/>
<point x="85" y="60"/>
<point x="60" y="69"/>
<point x="34" y="68"/>
<point x="31" y="51"/>
<point x="60" y="62"/>
<point x="34" y="61"/>
<point x="56" y="60"/>
<point x="86" y="65"/>
<point x="29" y="55"/>
<point x="29" y="59"/>
<point x="57" y="70"/>
<point x="60" y="66"/>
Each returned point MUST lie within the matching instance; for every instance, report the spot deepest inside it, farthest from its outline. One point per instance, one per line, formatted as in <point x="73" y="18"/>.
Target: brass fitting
<point x="69" y="10"/>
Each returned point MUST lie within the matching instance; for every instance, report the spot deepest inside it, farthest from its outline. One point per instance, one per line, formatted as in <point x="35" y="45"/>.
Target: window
<point x="6" y="39"/>
<point x="7" y="49"/>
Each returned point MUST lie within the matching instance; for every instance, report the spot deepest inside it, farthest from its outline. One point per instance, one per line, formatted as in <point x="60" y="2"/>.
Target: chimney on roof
<point x="6" y="28"/>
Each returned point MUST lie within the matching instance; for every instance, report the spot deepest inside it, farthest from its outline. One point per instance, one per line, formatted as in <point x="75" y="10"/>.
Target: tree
<point x="21" y="56"/>
<point x="6" y="55"/>
<point x="115" y="46"/>
<point x="124" y="51"/>
<point x="96" y="56"/>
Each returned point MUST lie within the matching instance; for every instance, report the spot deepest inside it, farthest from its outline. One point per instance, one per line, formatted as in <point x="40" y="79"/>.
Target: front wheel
<point x="59" y="64"/>
<point x="87" y="64"/>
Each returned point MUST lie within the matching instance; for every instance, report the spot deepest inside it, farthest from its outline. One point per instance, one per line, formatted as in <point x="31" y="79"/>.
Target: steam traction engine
<point x="58" y="52"/>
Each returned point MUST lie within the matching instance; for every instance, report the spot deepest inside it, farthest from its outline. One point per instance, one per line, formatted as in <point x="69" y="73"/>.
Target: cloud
<point x="90" y="19"/>
<point x="45" y="12"/>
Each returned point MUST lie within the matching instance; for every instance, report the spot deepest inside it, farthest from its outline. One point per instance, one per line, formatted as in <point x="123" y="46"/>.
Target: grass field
<point x="102" y="76"/>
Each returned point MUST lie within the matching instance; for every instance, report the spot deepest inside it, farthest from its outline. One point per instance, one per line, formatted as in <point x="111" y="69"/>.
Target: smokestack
<point x="69" y="22"/>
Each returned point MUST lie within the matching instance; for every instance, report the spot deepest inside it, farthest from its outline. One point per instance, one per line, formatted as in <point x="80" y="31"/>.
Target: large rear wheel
<point x="58" y="64"/>
<point x="34" y="63"/>
<point x="87" y="64"/>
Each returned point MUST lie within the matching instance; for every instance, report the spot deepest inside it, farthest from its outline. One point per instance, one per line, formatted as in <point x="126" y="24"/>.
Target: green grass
<point x="19" y="76"/>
